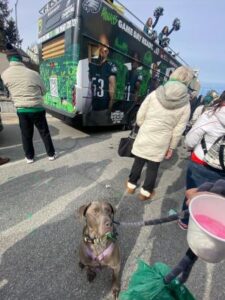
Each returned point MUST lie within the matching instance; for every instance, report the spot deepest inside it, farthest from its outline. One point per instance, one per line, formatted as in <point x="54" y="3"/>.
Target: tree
<point x="8" y="30"/>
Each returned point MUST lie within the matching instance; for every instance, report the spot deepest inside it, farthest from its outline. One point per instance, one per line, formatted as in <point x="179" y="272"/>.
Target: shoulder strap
<point x="221" y="154"/>
<point x="203" y="144"/>
<point x="134" y="131"/>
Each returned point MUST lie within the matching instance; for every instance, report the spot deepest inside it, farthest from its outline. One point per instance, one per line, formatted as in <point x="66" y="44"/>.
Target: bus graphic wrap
<point x="108" y="65"/>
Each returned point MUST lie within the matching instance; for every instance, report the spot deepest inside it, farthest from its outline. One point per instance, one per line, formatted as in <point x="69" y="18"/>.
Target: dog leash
<point x="157" y="221"/>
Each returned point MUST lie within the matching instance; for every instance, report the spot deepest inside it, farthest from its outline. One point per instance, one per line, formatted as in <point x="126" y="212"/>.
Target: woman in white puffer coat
<point x="162" y="119"/>
<point x="211" y="126"/>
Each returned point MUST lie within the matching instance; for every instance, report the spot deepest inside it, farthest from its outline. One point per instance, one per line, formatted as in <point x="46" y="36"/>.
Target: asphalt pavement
<point x="40" y="229"/>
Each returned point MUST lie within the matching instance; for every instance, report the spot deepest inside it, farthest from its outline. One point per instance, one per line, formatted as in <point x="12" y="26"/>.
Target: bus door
<point x="59" y="55"/>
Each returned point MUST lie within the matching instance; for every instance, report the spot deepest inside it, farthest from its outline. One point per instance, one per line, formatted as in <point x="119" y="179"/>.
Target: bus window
<point x="53" y="48"/>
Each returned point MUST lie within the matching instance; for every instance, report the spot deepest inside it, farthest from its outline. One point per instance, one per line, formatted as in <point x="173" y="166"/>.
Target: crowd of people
<point x="162" y="119"/>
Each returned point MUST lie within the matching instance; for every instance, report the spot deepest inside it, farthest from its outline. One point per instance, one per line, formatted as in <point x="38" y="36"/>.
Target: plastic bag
<point x="147" y="284"/>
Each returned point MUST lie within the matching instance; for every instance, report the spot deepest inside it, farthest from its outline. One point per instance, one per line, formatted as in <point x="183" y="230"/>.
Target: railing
<point x="140" y="24"/>
<point x="137" y="22"/>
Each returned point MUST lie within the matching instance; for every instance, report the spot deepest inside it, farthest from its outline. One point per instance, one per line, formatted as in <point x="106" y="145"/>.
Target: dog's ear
<point x="112" y="208"/>
<point x="83" y="209"/>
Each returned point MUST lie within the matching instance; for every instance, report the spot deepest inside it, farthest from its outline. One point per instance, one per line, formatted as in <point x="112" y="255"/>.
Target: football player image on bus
<point x="134" y="80"/>
<point x="119" y="59"/>
<point x="146" y="74"/>
<point x="102" y="76"/>
<point x="154" y="83"/>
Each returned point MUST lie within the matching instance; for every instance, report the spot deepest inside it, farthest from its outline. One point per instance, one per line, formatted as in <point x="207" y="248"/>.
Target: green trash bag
<point x="147" y="284"/>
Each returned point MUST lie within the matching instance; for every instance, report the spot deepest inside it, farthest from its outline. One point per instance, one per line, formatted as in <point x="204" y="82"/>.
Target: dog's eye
<point x="96" y="210"/>
<point x="108" y="211"/>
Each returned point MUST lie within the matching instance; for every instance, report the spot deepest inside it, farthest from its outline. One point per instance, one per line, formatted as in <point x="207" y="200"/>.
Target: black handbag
<point x="126" y="144"/>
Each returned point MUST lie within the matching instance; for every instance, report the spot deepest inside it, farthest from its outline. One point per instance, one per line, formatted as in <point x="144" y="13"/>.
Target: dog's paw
<point x="91" y="275"/>
<point x="82" y="266"/>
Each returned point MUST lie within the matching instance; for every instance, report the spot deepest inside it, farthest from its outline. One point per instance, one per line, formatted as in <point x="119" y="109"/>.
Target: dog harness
<point x="99" y="258"/>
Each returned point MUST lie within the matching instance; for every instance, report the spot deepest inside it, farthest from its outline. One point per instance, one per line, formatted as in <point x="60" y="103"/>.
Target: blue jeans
<point x="197" y="175"/>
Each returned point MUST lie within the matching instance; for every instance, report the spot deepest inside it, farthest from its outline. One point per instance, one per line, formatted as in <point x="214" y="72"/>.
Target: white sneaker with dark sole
<point x="51" y="158"/>
<point x="29" y="160"/>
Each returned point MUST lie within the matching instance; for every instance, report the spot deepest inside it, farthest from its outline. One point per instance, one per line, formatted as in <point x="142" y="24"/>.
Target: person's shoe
<point x="182" y="225"/>
<point x="29" y="160"/>
<point x="3" y="160"/>
<point x="145" y="195"/>
<point x="52" y="157"/>
<point x="130" y="187"/>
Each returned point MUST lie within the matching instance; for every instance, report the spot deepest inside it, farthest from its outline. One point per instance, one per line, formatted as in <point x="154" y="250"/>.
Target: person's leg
<point x="40" y="122"/>
<point x="136" y="170"/>
<point x="193" y="179"/>
<point x="146" y="191"/>
<point x="151" y="175"/>
<point x="27" y="131"/>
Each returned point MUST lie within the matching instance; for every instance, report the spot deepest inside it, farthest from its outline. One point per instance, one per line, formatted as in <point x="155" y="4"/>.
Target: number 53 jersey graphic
<point x="99" y="75"/>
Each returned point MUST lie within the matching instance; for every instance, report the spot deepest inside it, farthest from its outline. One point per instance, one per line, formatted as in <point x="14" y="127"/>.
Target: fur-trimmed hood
<point x="173" y="95"/>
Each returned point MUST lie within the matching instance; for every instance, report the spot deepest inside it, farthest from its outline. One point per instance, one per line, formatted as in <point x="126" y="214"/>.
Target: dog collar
<point x="109" y="236"/>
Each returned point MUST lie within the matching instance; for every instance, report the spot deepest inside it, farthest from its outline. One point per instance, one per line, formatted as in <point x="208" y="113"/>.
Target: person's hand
<point x="169" y="153"/>
<point x="191" y="193"/>
<point x="207" y="187"/>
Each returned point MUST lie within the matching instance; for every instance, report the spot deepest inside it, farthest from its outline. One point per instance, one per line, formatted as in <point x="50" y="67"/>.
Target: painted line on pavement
<point x="18" y="232"/>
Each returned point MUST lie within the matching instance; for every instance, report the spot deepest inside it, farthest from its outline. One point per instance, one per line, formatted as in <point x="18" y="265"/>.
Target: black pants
<point x="151" y="173"/>
<point x="27" y="122"/>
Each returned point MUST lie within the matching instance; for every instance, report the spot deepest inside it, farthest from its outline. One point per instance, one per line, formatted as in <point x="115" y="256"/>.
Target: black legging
<point x="151" y="173"/>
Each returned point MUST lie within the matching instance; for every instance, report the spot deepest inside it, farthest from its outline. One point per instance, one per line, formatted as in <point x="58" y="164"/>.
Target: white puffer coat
<point x="162" y="118"/>
<point x="211" y="125"/>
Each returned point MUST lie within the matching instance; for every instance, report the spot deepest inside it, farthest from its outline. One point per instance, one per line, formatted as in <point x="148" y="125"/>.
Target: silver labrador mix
<point x="99" y="247"/>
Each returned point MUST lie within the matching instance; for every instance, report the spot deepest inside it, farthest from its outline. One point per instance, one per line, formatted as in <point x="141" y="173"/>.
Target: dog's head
<point x="99" y="217"/>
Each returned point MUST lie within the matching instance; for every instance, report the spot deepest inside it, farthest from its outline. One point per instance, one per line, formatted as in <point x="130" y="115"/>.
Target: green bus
<point x="95" y="63"/>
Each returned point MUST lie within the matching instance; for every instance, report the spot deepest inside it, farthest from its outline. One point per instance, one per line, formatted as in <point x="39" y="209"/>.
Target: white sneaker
<point x="52" y="157"/>
<point x="29" y="160"/>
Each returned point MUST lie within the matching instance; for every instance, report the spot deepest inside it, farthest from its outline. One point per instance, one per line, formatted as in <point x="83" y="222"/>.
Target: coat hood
<point x="173" y="95"/>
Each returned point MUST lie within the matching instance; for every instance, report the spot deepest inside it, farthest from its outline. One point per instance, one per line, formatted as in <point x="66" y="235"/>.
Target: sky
<point x="200" y="41"/>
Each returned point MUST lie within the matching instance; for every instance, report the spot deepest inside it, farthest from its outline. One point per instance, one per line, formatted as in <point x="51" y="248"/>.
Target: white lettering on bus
<point x="125" y="27"/>
<point x="56" y="31"/>
<point x="147" y="43"/>
<point x="137" y="36"/>
<point x="53" y="10"/>
<point x="67" y="12"/>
